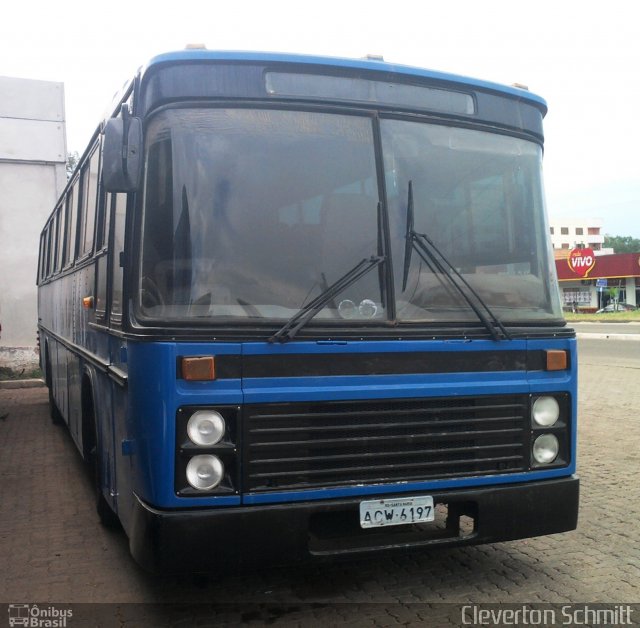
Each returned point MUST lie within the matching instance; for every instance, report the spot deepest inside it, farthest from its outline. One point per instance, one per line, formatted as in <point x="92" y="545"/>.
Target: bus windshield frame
<point x="259" y="209"/>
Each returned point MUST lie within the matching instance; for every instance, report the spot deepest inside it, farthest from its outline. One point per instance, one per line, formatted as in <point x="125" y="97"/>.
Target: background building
<point x="608" y="277"/>
<point x="32" y="175"/>
<point x="569" y="234"/>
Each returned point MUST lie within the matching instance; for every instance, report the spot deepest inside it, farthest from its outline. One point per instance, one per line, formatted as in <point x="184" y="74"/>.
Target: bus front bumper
<point x="207" y="540"/>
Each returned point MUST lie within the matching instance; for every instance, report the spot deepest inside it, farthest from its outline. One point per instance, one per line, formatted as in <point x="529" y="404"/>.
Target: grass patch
<point x="607" y="317"/>
<point x="7" y="373"/>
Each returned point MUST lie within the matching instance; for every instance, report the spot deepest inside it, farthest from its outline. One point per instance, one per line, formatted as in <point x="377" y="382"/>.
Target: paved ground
<point x="52" y="550"/>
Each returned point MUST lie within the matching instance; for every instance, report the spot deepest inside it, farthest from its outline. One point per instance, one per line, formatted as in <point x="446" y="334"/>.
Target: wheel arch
<point x="90" y="426"/>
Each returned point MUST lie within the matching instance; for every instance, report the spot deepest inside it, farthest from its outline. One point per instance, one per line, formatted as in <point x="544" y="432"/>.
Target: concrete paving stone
<point x="53" y="549"/>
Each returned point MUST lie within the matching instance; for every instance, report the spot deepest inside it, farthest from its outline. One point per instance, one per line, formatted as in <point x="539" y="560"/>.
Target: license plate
<point x="395" y="512"/>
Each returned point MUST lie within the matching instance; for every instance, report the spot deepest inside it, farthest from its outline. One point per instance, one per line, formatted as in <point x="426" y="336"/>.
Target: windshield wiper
<point x="301" y="318"/>
<point x="438" y="263"/>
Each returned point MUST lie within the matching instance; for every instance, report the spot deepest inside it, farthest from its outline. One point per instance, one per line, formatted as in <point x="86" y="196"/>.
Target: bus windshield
<point x="478" y="197"/>
<point x="253" y="213"/>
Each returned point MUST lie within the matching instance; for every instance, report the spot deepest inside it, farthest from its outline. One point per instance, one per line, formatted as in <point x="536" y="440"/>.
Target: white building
<point x="570" y="233"/>
<point x="32" y="175"/>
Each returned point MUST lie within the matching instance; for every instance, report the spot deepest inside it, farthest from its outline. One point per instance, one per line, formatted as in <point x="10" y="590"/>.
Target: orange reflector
<point x="198" y="369"/>
<point x="556" y="360"/>
<point x="87" y="303"/>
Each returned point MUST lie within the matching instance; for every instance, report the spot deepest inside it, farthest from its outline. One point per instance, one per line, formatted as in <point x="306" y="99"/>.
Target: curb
<point x="21" y="383"/>
<point x="571" y="323"/>
<point x="587" y="336"/>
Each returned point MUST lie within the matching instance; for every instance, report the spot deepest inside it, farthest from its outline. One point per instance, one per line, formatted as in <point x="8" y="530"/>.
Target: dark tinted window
<point x="72" y="217"/>
<point x="478" y="197"/>
<point x="52" y="239"/>
<point x="120" y="205"/>
<point x="365" y="90"/>
<point x="90" y="190"/>
<point x="251" y="213"/>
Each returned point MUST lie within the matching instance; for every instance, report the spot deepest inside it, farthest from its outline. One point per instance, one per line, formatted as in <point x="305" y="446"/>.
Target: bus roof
<point x="372" y="65"/>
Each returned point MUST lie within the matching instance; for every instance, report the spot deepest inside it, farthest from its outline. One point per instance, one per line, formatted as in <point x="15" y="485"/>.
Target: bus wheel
<point x="107" y="517"/>
<point x="54" y="413"/>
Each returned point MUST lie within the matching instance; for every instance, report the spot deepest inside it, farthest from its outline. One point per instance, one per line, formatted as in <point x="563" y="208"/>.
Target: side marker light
<point x="198" y="369"/>
<point x="556" y="360"/>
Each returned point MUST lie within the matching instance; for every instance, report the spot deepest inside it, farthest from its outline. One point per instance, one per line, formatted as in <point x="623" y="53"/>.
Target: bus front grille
<point x="331" y="444"/>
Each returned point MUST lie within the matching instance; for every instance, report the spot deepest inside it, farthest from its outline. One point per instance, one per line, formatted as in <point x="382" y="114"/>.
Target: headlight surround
<point x="206" y="451"/>
<point x="206" y="427"/>
<point x="545" y="448"/>
<point x="545" y="411"/>
<point x="205" y="472"/>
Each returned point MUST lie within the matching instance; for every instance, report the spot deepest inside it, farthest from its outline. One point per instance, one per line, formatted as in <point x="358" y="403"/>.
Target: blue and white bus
<point x="297" y="307"/>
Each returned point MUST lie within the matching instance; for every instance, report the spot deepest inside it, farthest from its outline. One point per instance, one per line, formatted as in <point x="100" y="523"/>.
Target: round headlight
<point x="205" y="427"/>
<point x="545" y="448"/>
<point x="205" y="472"/>
<point x="545" y="411"/>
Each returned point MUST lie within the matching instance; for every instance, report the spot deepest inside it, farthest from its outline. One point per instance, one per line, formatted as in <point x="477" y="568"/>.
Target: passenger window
<point x="59" y="237"/>
<point x="40" y="254"/>
<point x="89" y="202"/>
<point x="119" y="216"/>
<point x="82" y="209"/>
<point x="44" y="262"/>
<point x="71" y="223"/>
<point x="52" y="252"/>
<point x="103" y="215"/>
<point x="50" y="249"/>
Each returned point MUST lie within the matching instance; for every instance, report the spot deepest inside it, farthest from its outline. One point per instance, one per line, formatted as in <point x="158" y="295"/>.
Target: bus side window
<point x="105" y="204"/>
<point x="45" y="253"/>
<point x="65" y="216"/>
<point x="103" y="217"/>
<point x="103" y="211"/>
<point x="89" y="202"/>
<point x="72" y="213"/>
<point x="60" y="237"/>
<point x="40" y="276"/>
<point x="52" y="246"/>
<point x="119" y="216"/>
<point x="82" y="210"/>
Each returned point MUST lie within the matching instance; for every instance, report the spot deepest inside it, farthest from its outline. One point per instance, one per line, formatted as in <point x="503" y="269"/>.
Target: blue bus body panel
<point x="156" y="394"/>
<point x="353" y="64"/>
<point x="273" y="390"/>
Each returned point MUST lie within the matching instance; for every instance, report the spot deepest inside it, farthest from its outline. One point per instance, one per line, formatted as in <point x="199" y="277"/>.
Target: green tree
<point x="622" y="244"/>
<point x="72" y="162"/>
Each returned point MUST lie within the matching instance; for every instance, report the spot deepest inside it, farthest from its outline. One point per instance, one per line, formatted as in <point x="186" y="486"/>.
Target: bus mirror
<point x="122" y="153"/>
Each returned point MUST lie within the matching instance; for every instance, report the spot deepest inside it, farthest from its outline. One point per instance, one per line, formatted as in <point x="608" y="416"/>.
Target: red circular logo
<point x="581" y="261"/>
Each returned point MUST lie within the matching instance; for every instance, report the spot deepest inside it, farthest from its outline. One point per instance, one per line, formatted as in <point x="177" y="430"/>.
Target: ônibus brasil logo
<point x="581" y="261"/>
<point x="34" y="616"/>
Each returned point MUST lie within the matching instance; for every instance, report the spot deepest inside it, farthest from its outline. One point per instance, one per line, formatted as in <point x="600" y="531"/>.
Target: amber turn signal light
<point x="198" y="369"/>
<point x="556" y="360"/>
<point x="87" y="303"/>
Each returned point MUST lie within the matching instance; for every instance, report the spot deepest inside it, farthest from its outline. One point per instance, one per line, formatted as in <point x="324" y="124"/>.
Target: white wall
<point x="32" y="175"/>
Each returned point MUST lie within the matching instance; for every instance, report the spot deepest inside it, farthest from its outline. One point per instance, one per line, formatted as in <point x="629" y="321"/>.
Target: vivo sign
<point x="581" y="261"/>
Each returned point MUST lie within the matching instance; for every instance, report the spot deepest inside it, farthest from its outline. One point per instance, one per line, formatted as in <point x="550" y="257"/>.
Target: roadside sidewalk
<point x="8" y="384"/>
<point x="607" y="330"/>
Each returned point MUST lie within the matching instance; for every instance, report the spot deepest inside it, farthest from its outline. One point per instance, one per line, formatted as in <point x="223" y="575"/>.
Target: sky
<point x="582" y="57"/>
